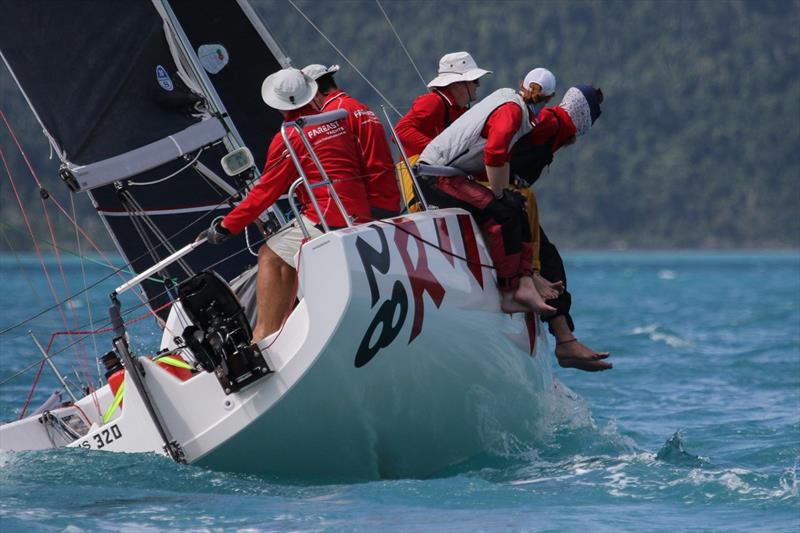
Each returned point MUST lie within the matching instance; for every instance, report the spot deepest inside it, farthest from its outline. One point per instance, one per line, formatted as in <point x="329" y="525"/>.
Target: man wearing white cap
<point x="541" y="83"/>
<point x="292" y="93"/>
<point x="381" y="181"/>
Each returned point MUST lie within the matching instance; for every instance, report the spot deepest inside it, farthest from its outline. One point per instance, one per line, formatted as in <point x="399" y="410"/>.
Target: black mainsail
<point x="140" y="100"/>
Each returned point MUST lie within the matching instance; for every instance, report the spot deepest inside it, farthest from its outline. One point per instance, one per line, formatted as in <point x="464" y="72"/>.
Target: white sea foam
<point x="667" y="274"/>
<point x="654" y="333"/>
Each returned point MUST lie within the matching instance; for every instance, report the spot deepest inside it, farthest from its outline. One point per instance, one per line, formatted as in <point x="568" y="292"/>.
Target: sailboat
<point x="396" y="360"/>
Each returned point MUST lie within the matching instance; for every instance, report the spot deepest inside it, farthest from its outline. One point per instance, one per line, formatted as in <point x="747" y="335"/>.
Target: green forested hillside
<point x="699" y="141"/>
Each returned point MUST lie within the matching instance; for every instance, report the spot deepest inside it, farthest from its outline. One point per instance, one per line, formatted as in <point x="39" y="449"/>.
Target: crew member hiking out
<point x="381" y="180"/>
<point x="557" y="127"/>
<point x="538" y="88"/>
<point x="480" y="140"/>
<point x="452" y="90"/>
<point x="292" y="93"/>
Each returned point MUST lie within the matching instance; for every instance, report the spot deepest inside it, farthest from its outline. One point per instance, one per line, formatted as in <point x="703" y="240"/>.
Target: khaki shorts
<point x="286" y="242"/>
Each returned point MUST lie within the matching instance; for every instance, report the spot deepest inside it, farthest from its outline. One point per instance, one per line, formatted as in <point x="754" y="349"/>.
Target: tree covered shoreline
<point x="698" y="146"/>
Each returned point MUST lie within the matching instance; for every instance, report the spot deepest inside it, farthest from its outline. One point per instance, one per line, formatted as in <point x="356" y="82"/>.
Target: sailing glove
<point x="217" y="233"/>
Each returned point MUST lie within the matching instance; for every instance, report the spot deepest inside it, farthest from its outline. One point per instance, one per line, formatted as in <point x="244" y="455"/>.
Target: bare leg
<point x="571" y="353"/>
<point x="548" y="289"/>
<point x="274" y="292"/>
<point x="527" y="295"/>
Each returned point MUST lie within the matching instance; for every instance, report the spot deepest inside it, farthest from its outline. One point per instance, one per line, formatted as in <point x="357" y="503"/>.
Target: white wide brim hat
<point x="316" y="71"/>
<point x="458" y="66"/>
<point x="288" y="89"/>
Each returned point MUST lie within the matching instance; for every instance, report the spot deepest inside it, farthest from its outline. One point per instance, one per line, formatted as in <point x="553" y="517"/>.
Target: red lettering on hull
<point x="420" y="276"/>
<point x="445" y="244"/>
<point x="471" y="248"/>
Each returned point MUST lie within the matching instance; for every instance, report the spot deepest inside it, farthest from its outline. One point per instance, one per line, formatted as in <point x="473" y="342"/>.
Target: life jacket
<point x="461" y="145"/>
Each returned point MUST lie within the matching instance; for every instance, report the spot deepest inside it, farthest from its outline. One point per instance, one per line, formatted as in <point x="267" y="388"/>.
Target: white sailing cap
<point x="288" y="89"/>
<point x="544" y="78"/>
<point x="458" y="66"/>
<point x="316" y="71"/>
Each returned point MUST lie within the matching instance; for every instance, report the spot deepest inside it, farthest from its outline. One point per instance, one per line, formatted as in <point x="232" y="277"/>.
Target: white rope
<point x="403" y="46"/>
<point x="399" y="114"/>
<point x="187" y="165"/>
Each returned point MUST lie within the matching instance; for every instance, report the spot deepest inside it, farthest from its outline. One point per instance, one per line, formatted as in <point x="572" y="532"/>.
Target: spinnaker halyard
<point x="395" y="361"/>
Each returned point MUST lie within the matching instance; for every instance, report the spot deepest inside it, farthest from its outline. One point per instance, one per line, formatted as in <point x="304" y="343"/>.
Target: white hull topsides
<point x="397" y="362"/>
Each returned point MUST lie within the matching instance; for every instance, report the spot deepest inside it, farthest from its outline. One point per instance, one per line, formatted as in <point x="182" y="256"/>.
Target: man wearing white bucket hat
<point x="452" y="90"/>
<point x="381" y="182"/>
<point x="292" y="93"/>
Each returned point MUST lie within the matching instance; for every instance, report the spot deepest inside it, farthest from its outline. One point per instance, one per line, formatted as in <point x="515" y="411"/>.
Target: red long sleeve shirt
<point x="429" y="115"/>
<point x="552" y="123"/>
<point x="498" y="131"/>
<point x="381" y="181"/>
<point x="337" y="150"/>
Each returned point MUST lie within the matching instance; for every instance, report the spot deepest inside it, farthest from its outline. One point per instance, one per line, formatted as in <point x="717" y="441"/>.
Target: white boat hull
<point x="396" y="363"/>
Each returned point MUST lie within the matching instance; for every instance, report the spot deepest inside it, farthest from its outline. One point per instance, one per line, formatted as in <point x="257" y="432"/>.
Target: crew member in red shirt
<point x="384" y="196"/>
<point x="481" y="140"/>
<point x="292" y="93"/>
<point x="452" y="90"/>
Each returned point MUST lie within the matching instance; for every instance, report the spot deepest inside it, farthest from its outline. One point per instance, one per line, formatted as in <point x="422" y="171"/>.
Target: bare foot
<point x="527" y="295"/>
<point x="509" y="305"/>
<point x="573" y="354"/>
<point x="549" y="290"/>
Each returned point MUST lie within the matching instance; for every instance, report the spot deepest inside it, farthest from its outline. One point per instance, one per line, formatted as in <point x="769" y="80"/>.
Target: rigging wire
<point x="402" y="45"/>
<point x="85" y="257"/>
<point x="19" y="263"/>
<point x="85" y="283"/>
<point x="53" y="292"/>
<point x="81" y="353"/>
<point x="103" y="326"/>
<point x="159" y="180"/>
<point x="117" y="271"/>
<point x="379" y="93"/>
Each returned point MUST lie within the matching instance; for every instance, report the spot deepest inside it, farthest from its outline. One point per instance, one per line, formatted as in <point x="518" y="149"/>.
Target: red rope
<point x="82" y="355"/>
<point x="95" y="332"/>
<point x="61" y="208"/>
<point x="36" y="379"/>
<point x="39" y="253"/>
<point x="33" y="388"/>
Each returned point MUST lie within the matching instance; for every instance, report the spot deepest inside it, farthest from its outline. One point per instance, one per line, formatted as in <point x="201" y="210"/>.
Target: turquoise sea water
<point x="696" y="428"/>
